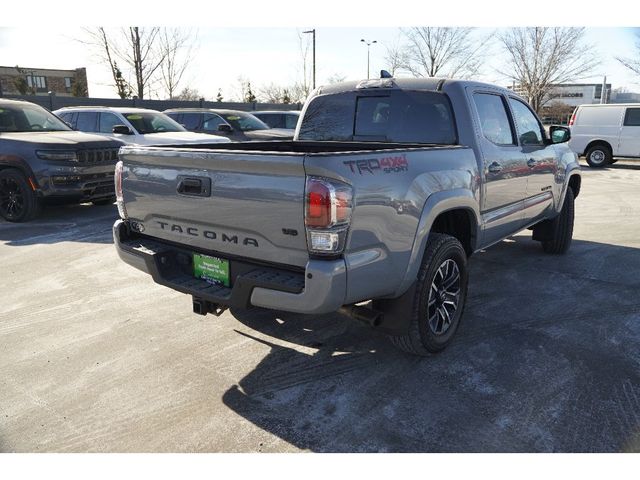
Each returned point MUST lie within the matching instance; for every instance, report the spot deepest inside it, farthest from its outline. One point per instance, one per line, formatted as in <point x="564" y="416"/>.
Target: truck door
<point x="629" y="145"/>
<point x="540" y="159"/>
<point x="504" y="167"/>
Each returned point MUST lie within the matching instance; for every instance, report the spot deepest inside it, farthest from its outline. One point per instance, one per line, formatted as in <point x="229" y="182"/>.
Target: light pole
<point x="313" y="31"/>
<point x="368" y="45"/>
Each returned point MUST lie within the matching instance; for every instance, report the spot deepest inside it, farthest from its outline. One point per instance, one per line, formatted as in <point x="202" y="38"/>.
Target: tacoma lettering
<point x="208" y="234"/>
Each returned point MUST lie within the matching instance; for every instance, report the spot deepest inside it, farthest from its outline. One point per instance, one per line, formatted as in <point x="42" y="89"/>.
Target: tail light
<point x="119" y="197"/>
<point x="328" y="208"/>
<point x="573" y="117"/>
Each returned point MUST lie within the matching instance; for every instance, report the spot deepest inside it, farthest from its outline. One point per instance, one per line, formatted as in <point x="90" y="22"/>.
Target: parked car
<point x="603" y="132"/>
<point x="134" y="126"/>
<point x="42" y="160"/>
<point x="387" y="189"/>
<point x="236" y="125"/>
<point x="287" y="119"/>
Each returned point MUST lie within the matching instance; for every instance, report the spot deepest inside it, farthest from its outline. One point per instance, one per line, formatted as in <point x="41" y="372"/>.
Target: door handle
<point x="531" y="162"/>
<point x="195" y="186"/>
<point x="495" y="167"/>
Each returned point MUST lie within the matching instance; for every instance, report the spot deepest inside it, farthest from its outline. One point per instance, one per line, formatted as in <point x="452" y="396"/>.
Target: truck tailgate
<point x="234" y="203"/>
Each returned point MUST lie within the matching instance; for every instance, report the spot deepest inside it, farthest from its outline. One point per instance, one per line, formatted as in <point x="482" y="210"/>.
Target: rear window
<point x="399" y="116"/>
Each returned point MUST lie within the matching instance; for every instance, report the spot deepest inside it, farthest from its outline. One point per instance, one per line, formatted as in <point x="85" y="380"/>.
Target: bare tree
<point x="272" y="93"/>
<point x="336" y="78"/>
<point x="103" y="46"/>
<point x="134" y="47"/>
<point x="440" y="51"/>
<point x="396" y="58"/>
<point x="143" y="56"/>
<point x="632" y="64"/>
<point x="191" y="94"/>
<point x="540" y="57"/>
<point x="304" y="46"/>
<point x="176" y="46"/>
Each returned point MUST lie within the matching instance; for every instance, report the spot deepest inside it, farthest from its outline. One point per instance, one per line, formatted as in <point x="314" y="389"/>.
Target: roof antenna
<point x="385" y="74"/>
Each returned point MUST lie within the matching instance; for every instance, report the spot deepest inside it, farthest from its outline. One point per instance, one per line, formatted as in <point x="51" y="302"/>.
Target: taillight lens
<point x="328" y="205"/>
<point x="573" y="117"/>
<point x="119" y="197"/>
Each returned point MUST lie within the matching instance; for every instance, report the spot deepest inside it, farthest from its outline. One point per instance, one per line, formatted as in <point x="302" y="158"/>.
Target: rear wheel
<point x="18" y="201"/>
<point x="598" y="156"/>
<point x="439" y="299"/>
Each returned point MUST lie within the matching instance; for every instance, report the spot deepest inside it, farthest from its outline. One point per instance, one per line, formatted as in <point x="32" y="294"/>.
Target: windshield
<point x="29" y="118"/>
<point x="400" y="116"/>
<point x="150" y="122"/>
<point x="244" y="122"/>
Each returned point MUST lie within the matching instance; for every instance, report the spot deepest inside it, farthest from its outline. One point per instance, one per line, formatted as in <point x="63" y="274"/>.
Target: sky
<point x="265" y="55"/>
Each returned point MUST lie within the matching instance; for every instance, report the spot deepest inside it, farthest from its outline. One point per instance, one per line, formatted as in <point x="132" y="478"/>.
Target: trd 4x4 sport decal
<point x="394" y="164"/>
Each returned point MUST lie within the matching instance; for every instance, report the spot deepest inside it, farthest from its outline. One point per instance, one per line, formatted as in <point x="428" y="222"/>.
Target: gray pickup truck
<point x="373" y="209"/>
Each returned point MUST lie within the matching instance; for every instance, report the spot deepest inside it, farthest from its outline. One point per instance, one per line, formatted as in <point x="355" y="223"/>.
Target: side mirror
<point x="224" y="127"/>
<point x="122" y="129"/>
<point x="559" y="134"/>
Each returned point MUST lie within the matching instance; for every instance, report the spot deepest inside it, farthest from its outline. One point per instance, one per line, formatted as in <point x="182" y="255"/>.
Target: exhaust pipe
<point x="362" y="314"/>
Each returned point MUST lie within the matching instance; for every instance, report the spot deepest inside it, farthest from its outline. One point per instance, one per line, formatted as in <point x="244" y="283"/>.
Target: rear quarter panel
<point x="390" y="192"/>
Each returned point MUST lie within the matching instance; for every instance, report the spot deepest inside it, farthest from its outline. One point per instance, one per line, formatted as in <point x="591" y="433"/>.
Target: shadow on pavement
<point x="64" y="223"/>
<point x="547" y="359"/>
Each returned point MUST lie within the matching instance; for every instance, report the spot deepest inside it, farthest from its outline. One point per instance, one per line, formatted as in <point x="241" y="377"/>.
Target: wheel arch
<point x="453" y="212"/>
<point x="593" y="143"/>
<point x="13" y="161"/>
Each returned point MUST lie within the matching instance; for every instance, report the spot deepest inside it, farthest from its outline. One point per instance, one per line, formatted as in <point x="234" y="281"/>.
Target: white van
<point x="602" y="132"/>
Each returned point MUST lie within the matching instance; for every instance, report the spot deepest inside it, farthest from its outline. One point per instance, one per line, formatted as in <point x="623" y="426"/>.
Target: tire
<point x="598" y="156"/>
<point x="561" y="227"/>
<point x="428" y="331"/>
<point x="18" y="201"/>
<point x="104" y="201"/>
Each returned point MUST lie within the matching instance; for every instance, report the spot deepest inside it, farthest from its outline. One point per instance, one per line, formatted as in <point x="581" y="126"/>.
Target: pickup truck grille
<point x="97" y="156"/>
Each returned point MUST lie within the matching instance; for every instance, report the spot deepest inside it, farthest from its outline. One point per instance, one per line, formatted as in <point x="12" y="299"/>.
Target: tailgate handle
<point x="194" y="186"/>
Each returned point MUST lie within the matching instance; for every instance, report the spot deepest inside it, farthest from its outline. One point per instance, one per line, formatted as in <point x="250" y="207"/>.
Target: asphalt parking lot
<point x="96" y="357"/>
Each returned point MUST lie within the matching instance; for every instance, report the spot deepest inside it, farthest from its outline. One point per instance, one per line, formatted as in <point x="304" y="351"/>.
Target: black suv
<point x="42" y="160"/>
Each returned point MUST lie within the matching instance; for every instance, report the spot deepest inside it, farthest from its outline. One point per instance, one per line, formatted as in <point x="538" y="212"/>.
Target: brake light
<point x="118" y="185"/>
<point x="328" y="205"/>
<point x="573" y="117"/>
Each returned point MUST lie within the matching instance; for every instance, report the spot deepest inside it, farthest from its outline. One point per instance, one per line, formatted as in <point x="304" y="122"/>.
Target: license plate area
<point x="214" y="270"/>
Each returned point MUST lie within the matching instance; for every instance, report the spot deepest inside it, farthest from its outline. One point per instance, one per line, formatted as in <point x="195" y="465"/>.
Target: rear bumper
<point x="319" y="289"/>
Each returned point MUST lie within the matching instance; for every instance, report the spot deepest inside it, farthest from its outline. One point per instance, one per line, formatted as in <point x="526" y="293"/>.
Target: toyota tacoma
<point x="374" y="208"/>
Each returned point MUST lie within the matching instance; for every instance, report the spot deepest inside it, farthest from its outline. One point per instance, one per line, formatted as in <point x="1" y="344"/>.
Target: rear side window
<point x="108" y="121"/>
<point x="66" y="116"/>
<point x="632" y="117"/>
<point x="191" y="121"/>
<point x="87" y="121"/>
<point x="291" y="121"/>
<point x="274" y="120"/>
<point x="494" y="120"/>
<point x="403" y="116"/>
